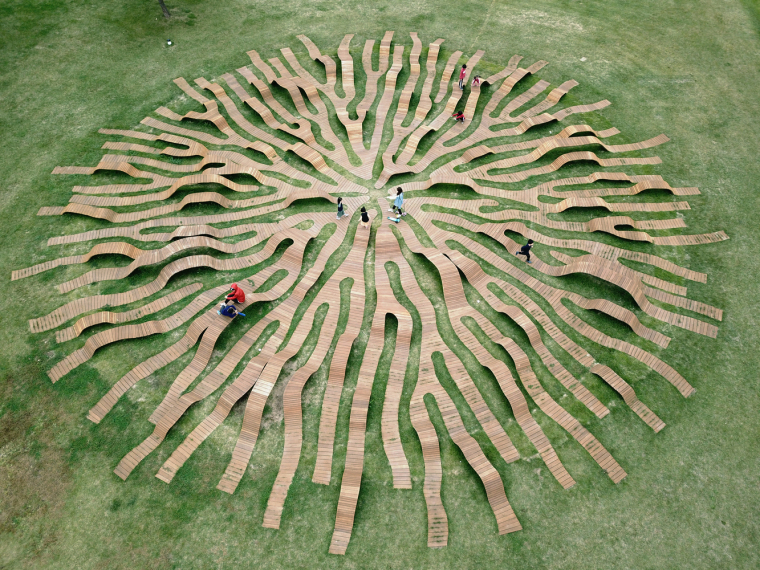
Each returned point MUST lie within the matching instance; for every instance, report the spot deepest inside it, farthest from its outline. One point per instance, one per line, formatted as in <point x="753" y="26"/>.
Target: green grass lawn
<point x="686" y="69"/>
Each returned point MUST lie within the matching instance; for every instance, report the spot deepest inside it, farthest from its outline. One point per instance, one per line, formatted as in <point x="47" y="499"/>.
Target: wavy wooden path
<point x="177" y="402"/>
<point x="351" y="267"/>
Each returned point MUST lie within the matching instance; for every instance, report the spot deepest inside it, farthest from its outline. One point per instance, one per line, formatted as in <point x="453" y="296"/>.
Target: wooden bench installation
<point x="251" y="197"/>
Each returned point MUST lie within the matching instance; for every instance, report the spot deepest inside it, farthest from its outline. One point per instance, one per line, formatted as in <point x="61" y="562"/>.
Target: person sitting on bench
<point x="237" y="295"/>
<point x="229" y="311"/>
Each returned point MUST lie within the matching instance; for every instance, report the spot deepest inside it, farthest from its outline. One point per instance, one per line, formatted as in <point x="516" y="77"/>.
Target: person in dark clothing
<point x="341" y="211"/>
<point x="525" y="250"/>
<point x="365" y="217"/>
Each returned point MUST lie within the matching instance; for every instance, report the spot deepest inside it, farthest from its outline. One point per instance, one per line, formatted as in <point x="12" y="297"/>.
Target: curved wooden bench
<point x="331" y="400"/>
<point x="613" y="272"/>
<point x="458" y="308"/>
<point x="116" y="318"/>
<point x="353" y="265"/>
<point x="426" y="384"/>
<point x="176" y="403"/>
<point x="479" y="280"/>
<point x="121" y="248"/>
<point x="291" y="261"/>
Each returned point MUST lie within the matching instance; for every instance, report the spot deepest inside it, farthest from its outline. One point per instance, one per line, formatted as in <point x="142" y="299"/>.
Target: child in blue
<point x="398" y="202"/>
<point x="229" y="311"/>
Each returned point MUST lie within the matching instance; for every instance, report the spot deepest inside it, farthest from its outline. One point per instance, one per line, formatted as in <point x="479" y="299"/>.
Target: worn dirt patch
<point x="34" y="475"/>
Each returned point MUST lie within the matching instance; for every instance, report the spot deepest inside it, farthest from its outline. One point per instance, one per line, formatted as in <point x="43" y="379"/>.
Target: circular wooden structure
<point x="473" y="189"/>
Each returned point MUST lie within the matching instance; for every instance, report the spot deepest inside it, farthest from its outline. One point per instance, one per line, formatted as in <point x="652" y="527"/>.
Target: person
<point x="525" y="250"/>
<point x="398" y="202"/>
<point x="237" y="295"/>
<point x="341" y="213"/>
<point x="229" y="311"/>
<point x="365" y="217"/>
<point x="462" y="75"/>
<point x="458" y="116"/>
<point x="476" y="81"/>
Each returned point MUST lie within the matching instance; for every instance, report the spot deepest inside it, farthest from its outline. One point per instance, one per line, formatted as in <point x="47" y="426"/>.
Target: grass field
<point x="688" y="69"/>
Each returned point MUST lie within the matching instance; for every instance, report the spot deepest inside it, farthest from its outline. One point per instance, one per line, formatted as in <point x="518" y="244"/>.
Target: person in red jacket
<point x="237" y="295"/>
<point x="462" y="75"/>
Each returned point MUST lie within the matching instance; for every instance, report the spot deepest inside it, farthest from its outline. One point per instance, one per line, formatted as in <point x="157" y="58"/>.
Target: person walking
<point x="525" y="250"/>
<point x="398" y="202"/>
<point x="341" y="212"/>
<point x="462" y="75"/>
<point x="365" y="217"/>
<point x="229" y="311"/>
